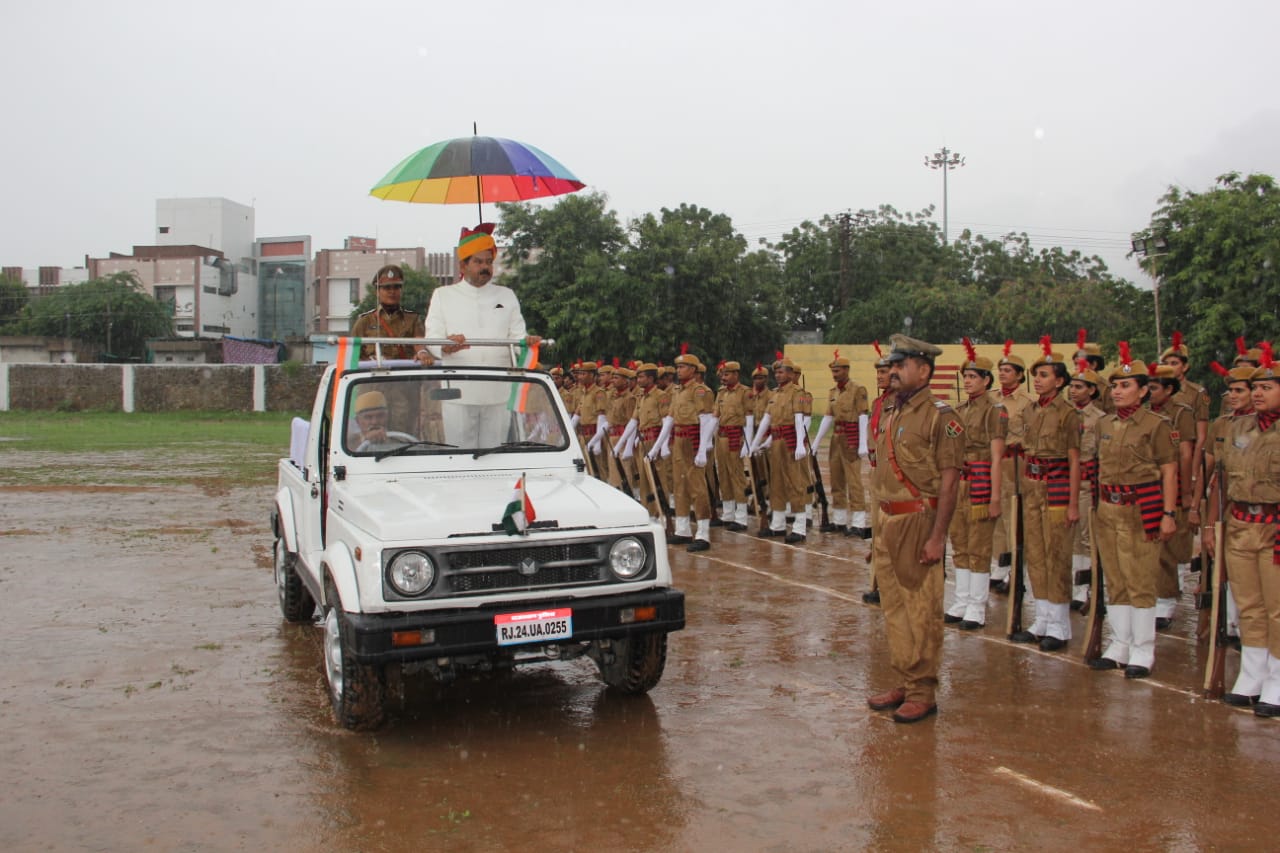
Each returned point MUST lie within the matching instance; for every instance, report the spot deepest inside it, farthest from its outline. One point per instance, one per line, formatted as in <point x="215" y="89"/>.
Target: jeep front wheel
<point x="296" y="603"/>
<point x="357" y="691"/>
<point x="632" y="664"/>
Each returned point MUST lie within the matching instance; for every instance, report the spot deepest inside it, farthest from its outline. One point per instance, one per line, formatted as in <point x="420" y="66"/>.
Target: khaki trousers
<point x="1130" y="561"/>
<point x="972" y="530"/>
<point x="846" y="477"/>
<point x="691" y="481"/>
<point x="1255" y="583"/>
<point x="1047" y="549"/>
<point x="911" y="598"/>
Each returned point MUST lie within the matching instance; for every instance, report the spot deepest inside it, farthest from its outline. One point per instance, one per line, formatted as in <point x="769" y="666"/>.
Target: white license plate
<point x="537" y="626"/>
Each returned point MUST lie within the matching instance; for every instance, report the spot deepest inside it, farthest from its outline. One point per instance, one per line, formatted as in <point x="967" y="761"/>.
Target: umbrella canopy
<point x="475" y="169"/>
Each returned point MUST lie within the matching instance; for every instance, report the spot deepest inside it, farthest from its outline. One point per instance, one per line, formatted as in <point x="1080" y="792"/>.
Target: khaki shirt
<point x="690" y="401"/>
<point x="1089" y="417"/>
<point x="592" y="402"/>
<point x="926" y="436"/>
<point x="731" y="405"/>
<point x="621" y="406"/>
<point x="1015" y="406"/>
<point x="652" y="406"/>
<point x="1181" y="420"/>
<point x="1052" y="430"/>
<point x="758" y="402"/>
<point x="784" y="404"/>
<point x="1131" y="451"/>
<point x="1195" y="398"/>
<point x="380" y="323"/>
<point x="984" y="421"/>
<point x="848" y="403"/>
<point x="1252" y="460"/>
<point x="1216" y="439"/>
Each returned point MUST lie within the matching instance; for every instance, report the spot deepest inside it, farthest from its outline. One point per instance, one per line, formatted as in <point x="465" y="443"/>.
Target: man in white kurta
<point x="476" y="308"/>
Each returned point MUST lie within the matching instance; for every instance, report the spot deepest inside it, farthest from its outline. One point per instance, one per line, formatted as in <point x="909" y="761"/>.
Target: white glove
<point x="801" y="435"/>
<point x="801" y="453"/>
<point x="629" y="447"/>
<point x="701" y="458"/>
<point x="823" y="428"/>
<point x="594" y="444"/>
<point x="758" y="443"/>
<point x="745" y="451"/>
<point x="864" y="423"/>
<point x="653" y="452"/>
<point x="573" y="423"/>
<point x="666" y="449"/>
<point x="706" y="434"/>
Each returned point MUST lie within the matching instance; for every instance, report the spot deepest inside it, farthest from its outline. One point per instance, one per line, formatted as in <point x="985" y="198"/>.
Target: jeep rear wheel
<point x="636" y="662"/>
<point x="296" y="603"/>
<point x="357" y="691"/>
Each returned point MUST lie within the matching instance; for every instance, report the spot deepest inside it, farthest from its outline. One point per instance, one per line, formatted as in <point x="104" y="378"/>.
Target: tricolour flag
<point x="527" y="358"/>
<point x="519" y="513"/>
<point x="348" y="359"/>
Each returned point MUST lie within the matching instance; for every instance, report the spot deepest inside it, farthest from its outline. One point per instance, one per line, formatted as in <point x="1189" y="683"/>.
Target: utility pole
<point x="946" y="160"/>
<point x="845" y="221"/>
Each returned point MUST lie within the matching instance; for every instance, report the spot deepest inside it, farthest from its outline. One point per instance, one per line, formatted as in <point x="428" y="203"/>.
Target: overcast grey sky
<point x="1074" y="118"/>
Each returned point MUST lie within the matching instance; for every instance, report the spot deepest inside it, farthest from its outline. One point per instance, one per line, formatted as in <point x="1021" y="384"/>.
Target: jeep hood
<point x="417" y="507"/>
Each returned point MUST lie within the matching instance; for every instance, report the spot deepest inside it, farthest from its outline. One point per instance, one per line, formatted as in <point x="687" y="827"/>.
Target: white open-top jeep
<point x="404" y="511"/>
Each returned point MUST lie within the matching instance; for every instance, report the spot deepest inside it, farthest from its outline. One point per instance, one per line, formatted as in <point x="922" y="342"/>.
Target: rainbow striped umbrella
<point x="476" y="169"/>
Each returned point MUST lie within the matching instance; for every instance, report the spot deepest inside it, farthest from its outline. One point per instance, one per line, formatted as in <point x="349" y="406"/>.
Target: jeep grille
<point x="502" y="569"/>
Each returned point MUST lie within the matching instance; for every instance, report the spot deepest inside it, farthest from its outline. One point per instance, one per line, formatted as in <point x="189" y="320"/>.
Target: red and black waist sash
<point x="1055" y="473"/>
<point x="1147" y="498"/>
<point x="851" y="432"/>
<point x="1260" y="514"/>
<point x="651" y="434"/>
<point x="734" y="436"/>
<point x="978" y="473"/>
<point x="616" y="431"/>
<point x="786" y="432"/>
<point x="690" y="431"/>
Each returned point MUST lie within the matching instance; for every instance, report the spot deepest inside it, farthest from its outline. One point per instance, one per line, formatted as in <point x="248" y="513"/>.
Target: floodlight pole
<point x="1153" y="247"/>
<point x="946" y="160"/>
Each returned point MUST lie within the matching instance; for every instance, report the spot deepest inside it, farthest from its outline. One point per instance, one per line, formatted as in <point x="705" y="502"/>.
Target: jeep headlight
<point x="627" y="558"/>
<point x="411" y="573"/>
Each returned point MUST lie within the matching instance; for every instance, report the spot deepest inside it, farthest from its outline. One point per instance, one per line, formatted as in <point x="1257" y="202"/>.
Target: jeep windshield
<point x="441" y="414"/>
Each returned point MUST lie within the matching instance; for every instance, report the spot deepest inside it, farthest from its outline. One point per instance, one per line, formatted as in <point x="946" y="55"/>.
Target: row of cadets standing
<point x="782" y="431"/>
<point x="979" y="500"/>
<point x="846" y="411"/>
<point x="1010" y="372"/>
<point x="692" y="443"/>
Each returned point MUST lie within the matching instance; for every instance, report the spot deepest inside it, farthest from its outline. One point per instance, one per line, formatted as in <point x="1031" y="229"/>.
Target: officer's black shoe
<point x="793" y="537"/>
<point x="1052" y="644"/>
<point x="951" y="620"/>
<point x="1164" y="623"/>
<point x="679" y="540"/>
<point x="1077" y="605"/>
<point x="1239" y="700"/>
<point x="768" y="533"/>
<point x="1103" y="663"/>
<point x="1135" y="671"/>
<point x="1006" y="559"/>
<point x="698" y="545"/>
<point x="1233" y="642"/>
<point x="1001" y="587"/>
<point x="1266" y="709"/>
<point x="872" y="597"/>
<point x="715" y="522"/>
<point x="970" y="625"/>
<point x="828" y="528"/>
<point x="1024" y="637"/>
<point x="735" y="527"/>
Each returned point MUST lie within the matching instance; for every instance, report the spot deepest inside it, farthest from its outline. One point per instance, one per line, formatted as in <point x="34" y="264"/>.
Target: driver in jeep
<point x="371" y="434"/>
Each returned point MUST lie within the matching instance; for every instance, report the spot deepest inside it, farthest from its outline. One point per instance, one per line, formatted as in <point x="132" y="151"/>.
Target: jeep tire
<point x="357" y="691"/>
<point x="636" y="663"/>
<point x="296" y="603"/>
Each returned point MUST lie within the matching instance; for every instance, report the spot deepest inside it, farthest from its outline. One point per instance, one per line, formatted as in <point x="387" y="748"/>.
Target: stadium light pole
<point x="946" y="160"/>
<point x="1153" y="247"/>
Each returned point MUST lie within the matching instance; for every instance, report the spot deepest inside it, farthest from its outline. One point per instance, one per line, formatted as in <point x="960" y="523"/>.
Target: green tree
<point x="115" y="313"/>
<point x="13" y="297"/>
<point x="1220" y="275"/>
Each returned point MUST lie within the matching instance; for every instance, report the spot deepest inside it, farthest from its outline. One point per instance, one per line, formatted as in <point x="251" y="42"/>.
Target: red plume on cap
<point x="1046" y="345"/>
<point x="617" y="362"/>
<point x="778" y="356"/>
<point x="1241" y="346"/>
<point x="1152" y="367"/>
<point x="1219" y="369"/>
<point x="1267" y="358"/>
<point x="1082" y="364"/>
<point x="721" y="365"/>
<point x="876" y="345"/>
<point x="759" y="366"/>
<point x="684" y="348"/>
<point x="969" y="351"/>
<point x="1008" y="347"/>
<point x="1125" y="357"/>
<point x="835" y="354"/>
<point x="1081" y="338"/>
<point x="1177" y="340"/>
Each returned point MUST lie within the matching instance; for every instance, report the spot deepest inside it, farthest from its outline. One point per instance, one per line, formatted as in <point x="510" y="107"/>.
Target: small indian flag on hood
<point x="519" y="513"/>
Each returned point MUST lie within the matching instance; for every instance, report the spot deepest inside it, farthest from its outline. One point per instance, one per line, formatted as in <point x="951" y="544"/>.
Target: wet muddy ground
<point x="152" y="698"/>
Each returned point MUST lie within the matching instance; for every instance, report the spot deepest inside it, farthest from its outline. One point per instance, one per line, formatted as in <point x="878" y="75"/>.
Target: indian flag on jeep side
<point x="519" y="513"/>
<point x="348" y="359"/>
<point x="526" y="357"/>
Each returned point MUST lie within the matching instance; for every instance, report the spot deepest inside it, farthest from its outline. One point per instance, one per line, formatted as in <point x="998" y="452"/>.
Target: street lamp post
<point x="1153" y="247"/>
<point x="946" y="160"/>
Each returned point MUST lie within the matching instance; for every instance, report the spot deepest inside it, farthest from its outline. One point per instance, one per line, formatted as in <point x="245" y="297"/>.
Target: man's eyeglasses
<point x="392" y="286"/>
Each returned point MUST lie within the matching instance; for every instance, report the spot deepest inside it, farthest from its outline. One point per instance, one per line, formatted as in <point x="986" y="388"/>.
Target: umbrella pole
<point x="479" y="192"/>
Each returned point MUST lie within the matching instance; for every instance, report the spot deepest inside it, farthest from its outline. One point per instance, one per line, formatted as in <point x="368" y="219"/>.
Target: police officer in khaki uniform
<point x="782" y="429"/>
<point x="1010" y="373"/>
<point x="1175" y="553"/>
<point x="1137" y="507"/>
<point x="653" y="425"/>
<point x="1253" y="541"/>
<point x="732" y="445"/>
<point x="1091" y="353"/>
<point x="391" y="320"/>
<point x="978" y="501"/>
<point x="1084" y="392"/>
<point x="692" y="444"/>
<point x="591" y="418"/>
<point x="846" y="407"/>
<point x="872" y="596"/>
<point x="621" y="408"/>
<point x="1050" y="500"/>
<point x="920" y="452"/>
<point x="1237" y="403"/>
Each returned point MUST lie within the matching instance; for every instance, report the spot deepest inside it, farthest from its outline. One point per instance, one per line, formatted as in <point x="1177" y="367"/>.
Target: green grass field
<point x="119" y="448"/>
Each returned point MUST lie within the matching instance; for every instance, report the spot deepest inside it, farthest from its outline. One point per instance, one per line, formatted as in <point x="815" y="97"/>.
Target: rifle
<point x="762" y="490"/>
<point x="1013" y="619"/>
<point x="1214" y="682"/>
<point x="1097" y="607"/>
<point x="817" y="482"/>
<point x="659" y="496"/>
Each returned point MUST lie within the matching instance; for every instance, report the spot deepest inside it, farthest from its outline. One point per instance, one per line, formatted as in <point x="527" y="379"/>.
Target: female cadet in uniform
<point x="1137" y="493"/>
<point x="1252" y="460"/>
